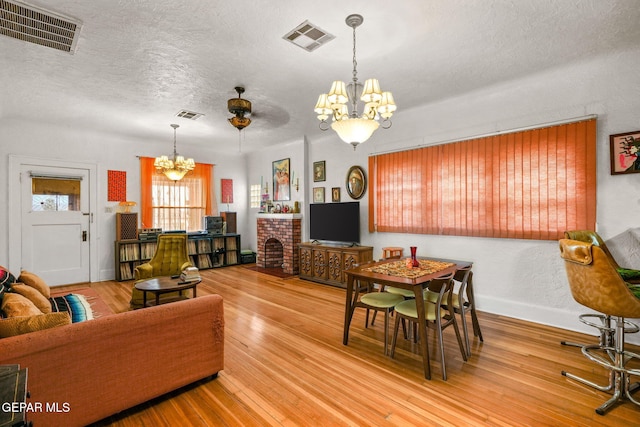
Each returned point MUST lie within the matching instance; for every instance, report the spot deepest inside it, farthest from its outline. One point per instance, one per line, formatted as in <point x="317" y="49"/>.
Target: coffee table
<point x="163" y="285"/>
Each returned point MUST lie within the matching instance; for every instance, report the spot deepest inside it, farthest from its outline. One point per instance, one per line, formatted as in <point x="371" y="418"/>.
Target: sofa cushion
<point x="36" y="282"/>
<point x="24" y="324"/>
<point x="33" y="295"/>
<point x="14" y="305"/>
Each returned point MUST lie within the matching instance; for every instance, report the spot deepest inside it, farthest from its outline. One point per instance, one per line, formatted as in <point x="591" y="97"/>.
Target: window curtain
<point x="533" y="184"/>
<point x="175" y="205"/>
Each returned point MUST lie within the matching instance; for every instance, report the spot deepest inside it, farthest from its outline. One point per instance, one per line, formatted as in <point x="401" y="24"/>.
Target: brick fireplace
<point x="278" y="239"/>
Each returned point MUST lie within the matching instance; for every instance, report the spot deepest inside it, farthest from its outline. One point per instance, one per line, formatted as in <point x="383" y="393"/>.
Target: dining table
<point x="397" y="273"/>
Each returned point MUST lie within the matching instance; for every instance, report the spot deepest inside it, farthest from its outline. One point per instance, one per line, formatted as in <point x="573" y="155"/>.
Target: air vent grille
<point x="308" y="36"/>
<point x="35" y="25"/>
<point x="189" y="115"/>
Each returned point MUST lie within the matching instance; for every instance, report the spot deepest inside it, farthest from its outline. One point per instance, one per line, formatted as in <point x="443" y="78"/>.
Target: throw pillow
<point x="15" y="305"/>
<point x="25" y="324"/>
<point x="33" y="295"/>
<point x="6" y="278"/>
<point x="30" y="279"/>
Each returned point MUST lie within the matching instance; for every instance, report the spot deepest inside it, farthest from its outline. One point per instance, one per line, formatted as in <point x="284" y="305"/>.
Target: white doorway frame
<point x="15" y="214"/>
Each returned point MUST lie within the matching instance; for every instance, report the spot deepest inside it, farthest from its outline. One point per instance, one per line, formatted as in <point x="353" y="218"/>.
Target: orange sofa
<point x="84" y="372"/>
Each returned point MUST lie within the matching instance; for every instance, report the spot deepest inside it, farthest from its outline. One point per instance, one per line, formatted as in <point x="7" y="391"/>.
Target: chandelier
<point x="350" y="127"/>
<point x="176" y="168"/>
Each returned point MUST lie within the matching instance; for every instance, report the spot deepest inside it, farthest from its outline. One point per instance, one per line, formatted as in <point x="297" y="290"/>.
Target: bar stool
<point x="596" y="284"/>
<point x="392" y="252"/>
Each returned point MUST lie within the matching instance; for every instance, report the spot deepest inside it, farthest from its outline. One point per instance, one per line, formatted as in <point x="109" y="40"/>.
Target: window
<point x="254" y="195"/>
<point x="532" y="184"/>
<point x="175" y="205"/>
<point x="55" y="194"/>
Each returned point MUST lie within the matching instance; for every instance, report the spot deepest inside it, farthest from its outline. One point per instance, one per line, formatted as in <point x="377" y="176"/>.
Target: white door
<point x="55" y="223"/>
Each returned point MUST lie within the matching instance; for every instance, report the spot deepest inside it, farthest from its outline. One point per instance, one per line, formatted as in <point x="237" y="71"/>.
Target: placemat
<point x="400" y="269"/>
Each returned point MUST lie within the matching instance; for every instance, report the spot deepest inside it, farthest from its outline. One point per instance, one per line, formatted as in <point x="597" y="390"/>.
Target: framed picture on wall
<point x="319" y="171"/>
<point x="625" y="152"/>
<point x="356" y="182"/>
<point x="281" y="182"/>
<point x="335" y="194"/>
<point x="318" y="194"/>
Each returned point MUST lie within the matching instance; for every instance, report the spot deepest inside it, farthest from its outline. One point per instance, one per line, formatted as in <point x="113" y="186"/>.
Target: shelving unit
<point x="205" y="251"/>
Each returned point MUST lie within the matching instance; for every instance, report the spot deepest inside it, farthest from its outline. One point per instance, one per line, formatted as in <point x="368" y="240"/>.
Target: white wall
<point x="108" y="152"/>
<point x="518" y="278"/>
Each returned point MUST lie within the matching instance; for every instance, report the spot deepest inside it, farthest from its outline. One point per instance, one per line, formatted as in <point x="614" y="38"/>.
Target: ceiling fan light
<point x="240" y="122"/>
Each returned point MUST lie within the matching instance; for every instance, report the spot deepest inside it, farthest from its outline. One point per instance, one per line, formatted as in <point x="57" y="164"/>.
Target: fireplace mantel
<point x="280" y="215"/>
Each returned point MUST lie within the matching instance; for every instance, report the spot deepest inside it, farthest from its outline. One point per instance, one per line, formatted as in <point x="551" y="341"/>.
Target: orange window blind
<point x="532" y="184"/>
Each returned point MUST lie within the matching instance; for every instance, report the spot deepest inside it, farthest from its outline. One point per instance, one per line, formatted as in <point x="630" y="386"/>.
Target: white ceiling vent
<point x="189" y="115"/>
<point x="35" y="25"/>
<point x="308" y="36"/>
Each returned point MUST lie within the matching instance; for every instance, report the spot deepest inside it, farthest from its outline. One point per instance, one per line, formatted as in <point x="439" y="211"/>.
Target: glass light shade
<point x="323" y="107"/>
<point x="355" y="131"/>
<point x="371" y="91"/>
<point x="175" y="174"/>
<point x="338" y="93"/>
<point x="387" y="105"/>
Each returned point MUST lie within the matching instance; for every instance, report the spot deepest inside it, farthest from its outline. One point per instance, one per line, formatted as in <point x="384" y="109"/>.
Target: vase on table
<point x="414" y="260"/>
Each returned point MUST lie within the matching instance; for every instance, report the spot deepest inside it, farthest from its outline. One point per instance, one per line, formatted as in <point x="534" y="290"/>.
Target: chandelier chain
<point x="355" y="63"/>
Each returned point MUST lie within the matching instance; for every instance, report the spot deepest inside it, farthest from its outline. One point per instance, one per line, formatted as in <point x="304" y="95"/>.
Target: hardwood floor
<point x="285" y="364"/>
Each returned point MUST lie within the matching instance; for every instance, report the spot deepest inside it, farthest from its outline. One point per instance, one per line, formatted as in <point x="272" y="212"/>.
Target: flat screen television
<point x="335" y="222"/>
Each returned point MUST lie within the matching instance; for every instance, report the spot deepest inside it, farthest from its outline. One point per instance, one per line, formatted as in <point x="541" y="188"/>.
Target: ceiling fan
<point x="241" y="108"/>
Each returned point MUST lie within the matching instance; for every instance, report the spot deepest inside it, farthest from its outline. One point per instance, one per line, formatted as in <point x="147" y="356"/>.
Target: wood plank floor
<point x="285" y="365"/>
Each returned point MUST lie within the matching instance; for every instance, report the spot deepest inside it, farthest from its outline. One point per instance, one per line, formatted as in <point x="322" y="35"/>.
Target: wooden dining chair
<point x="439" y="315"/>
<point x="373" y="300"/>
<point x="463" y="302"/>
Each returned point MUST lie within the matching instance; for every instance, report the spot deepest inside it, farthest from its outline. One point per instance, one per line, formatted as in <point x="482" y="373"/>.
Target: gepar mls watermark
<point x="20" y="407"/>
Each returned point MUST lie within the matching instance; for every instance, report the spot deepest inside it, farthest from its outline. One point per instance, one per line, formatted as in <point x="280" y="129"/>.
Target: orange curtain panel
<point x="532" y="184"/>
<point x="175" y="205"/>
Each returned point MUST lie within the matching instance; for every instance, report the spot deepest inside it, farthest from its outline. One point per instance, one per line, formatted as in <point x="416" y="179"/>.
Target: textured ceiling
<point x="139" y="62"/>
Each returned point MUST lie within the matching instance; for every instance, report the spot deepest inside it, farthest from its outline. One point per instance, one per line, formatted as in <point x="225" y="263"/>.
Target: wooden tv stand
<point x="326" y="263"/>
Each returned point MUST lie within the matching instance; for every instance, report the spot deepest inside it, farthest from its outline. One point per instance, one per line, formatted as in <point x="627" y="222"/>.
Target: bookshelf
<point x="205" y="251"/>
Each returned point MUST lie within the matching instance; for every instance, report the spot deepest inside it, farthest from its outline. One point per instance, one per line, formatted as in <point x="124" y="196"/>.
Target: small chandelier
<point x="175" y="169"/>
<point x="350" y="127"/>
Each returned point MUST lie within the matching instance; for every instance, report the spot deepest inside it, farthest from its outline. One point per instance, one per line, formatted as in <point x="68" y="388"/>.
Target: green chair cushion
<point x="381" y="299"/>
<point x="634" y="288"/>
<point x="408" y="308"/>
<point x="406" y="293"/>
<point x="628" y="273"/>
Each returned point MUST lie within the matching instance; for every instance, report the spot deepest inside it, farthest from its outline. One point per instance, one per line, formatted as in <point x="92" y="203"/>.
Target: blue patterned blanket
<point x="76" y="305"/>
